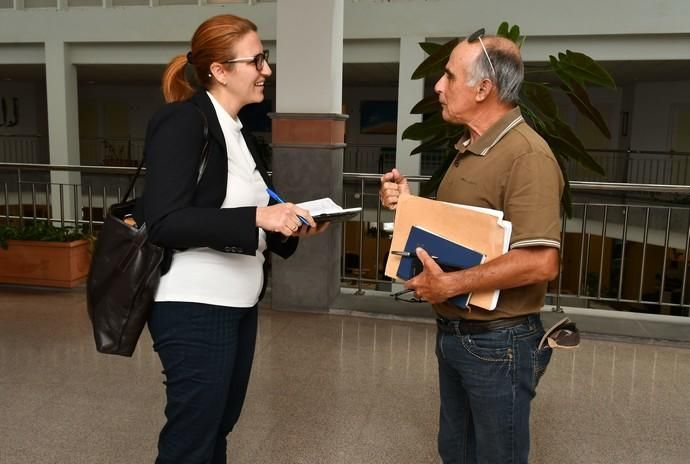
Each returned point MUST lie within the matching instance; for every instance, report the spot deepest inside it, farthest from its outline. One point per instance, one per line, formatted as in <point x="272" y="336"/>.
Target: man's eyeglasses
<point x="258" y="60"/>
<point x="478" y="36"/>
<point x="402" y="295"/>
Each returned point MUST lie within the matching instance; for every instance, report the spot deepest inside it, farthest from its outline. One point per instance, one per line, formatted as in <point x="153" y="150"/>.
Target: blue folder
<point x="449" y="255"/>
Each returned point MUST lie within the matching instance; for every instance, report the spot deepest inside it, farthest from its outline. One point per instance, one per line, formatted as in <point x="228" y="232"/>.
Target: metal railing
<point x="636" y="166"/>
<point x="615" y="253"/>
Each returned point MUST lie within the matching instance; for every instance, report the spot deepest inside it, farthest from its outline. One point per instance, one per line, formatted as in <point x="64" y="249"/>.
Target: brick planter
<point x="50" y="264"/>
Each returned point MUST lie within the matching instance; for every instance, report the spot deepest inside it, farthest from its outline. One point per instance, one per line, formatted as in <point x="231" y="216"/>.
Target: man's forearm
<point x="517" y="268"/>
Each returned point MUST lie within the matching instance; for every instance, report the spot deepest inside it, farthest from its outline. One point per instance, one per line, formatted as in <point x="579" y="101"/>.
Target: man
<point x="489" y="364"/>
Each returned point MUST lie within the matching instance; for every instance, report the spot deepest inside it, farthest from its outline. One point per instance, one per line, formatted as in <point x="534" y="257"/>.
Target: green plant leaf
<point x="40" y="231"/>
<point x="578" y="95"/>
<point x="426" y="105"/>
<point x="555" y="66"/>
<point x="540" y="96"/>
<point x="514" y="33"/>
<point x="503" y="30"/>
<point x="587" y="64"/>
<point x="430" y="47"/>
<point x="435" y="63"/>
<point x="425" y="129"/>
<point x="584" y="70"/>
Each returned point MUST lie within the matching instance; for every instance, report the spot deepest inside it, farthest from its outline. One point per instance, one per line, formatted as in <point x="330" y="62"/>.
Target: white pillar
<point x="409" y="93"/>
<point x="310" y="56"/>
<point x="63" y="127"/>
<point x="308" y="141"/>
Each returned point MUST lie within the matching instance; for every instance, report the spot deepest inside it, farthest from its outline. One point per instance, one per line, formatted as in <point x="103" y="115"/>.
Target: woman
<point x="204" y="318"/>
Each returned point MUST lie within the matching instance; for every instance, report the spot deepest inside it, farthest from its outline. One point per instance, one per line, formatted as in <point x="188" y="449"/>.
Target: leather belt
<point x="467" y="327"/>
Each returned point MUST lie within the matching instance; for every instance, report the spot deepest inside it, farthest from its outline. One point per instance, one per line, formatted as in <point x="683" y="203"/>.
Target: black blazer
<point x="181" y="214"/>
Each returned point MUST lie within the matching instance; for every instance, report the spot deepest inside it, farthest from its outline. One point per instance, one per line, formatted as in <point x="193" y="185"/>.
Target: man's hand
<point x="393" y="184"/>
<point x="429" y="283"/>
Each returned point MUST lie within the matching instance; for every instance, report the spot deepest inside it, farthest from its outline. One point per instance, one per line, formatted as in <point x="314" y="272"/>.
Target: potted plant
<point x="39" y="253"/>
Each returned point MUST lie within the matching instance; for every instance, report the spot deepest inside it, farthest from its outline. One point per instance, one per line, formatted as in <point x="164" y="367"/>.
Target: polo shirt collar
<point x="491" y="137"/>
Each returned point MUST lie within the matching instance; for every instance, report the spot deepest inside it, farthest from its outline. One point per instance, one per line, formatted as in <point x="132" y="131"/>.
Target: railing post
<point x="361" y="239"/>
<point x="20" y="200"/>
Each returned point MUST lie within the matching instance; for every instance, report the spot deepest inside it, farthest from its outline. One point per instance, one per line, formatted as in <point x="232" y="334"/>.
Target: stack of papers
<point x="481" y="229"/>
<point x="326" y="210"/>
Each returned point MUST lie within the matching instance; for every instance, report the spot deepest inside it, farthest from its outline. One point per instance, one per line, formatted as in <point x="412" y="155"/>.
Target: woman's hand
<point x="283" y="218"/>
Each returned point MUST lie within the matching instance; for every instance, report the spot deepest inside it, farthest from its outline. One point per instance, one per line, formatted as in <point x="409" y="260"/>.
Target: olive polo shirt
<point x="512" y="169"/>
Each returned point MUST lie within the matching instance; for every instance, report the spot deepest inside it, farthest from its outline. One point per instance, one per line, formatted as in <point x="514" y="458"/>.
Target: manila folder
<point x="474" y="228"/>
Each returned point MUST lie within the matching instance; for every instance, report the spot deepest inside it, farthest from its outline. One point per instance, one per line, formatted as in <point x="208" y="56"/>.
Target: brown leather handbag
<point x="124" y="274"/>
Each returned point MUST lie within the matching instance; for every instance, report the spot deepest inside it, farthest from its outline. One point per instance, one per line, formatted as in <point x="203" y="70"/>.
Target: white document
<point x="325" y="209"/>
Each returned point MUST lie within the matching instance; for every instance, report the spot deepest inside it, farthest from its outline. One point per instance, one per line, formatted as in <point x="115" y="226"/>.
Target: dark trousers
<point x="207" y="353"/>
<point x="487" y="382"/>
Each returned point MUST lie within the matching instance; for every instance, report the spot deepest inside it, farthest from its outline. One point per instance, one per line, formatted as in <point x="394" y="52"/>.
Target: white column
<point x="63" y="126"/>
<point x="308" y="141"/>
<point x="409" y="93"/>
<point x="310" y="56"/>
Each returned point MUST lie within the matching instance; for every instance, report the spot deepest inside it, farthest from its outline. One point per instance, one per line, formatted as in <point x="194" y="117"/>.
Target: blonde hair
<point x="213" y="41"/>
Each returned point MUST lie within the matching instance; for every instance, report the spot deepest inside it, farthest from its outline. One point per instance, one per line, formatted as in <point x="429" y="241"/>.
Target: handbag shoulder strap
<point x="202" y="162"/>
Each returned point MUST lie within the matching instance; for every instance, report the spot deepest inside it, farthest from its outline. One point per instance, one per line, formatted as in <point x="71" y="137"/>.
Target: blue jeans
<point x="486" y="383"/>
<point x="207" y="353"/>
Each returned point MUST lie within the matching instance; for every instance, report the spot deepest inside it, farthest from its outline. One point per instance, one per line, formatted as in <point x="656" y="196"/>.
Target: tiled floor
<point x="325" y="389"/>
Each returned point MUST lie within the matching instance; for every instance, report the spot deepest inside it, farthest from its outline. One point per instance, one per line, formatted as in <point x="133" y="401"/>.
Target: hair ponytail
<point x="175" y="84"/>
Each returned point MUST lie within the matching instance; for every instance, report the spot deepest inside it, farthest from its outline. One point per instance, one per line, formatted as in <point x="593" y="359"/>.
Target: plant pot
<point x="50" y="264"/>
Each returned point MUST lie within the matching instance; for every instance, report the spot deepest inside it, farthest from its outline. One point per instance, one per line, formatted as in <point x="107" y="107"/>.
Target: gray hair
<point x="509" y="72"/>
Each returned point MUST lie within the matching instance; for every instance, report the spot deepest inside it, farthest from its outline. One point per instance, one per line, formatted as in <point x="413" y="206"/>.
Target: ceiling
<point x="354" y="74"/>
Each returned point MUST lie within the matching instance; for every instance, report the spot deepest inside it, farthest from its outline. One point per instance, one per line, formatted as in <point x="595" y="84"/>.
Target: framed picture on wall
<point x="378" y="117"/>
<point x="255" y="116"/>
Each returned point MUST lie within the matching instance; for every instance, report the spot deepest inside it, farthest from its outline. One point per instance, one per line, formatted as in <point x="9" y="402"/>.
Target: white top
<point x="204" y="275"/>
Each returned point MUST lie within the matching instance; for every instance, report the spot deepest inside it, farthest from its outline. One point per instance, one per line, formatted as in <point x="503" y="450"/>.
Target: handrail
<point x="640" y="152"/>
<point x="354" y="176"/>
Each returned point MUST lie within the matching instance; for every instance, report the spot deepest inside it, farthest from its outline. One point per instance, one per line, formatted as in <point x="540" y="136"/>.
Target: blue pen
<point x="275" y="196"/>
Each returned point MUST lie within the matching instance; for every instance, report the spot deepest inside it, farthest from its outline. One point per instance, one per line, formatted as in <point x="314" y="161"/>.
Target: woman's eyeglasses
<point x="258" y="60"/>
<point x="478" y="36"/>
